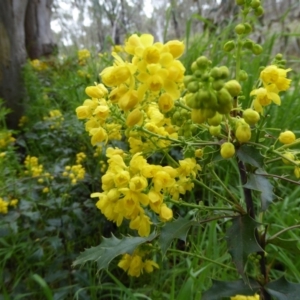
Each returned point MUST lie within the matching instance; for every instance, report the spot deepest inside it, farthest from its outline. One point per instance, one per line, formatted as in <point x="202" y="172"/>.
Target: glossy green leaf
<point x="250" y="155"/>
<point x="177" y="229"/>
<point x="222" y="289"/>
<point x="111" y="248"/>
<point x="241" y="240"/>
<point x="261" y="184"/>
<point x="282" y="289"/>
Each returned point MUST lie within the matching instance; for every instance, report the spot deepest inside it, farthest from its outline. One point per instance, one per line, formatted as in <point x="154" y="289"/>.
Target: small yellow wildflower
<point x="3" y="206"/>
<point x="13" y="202"/>
<point x="241" y="297"/>
<point x="272" y="75"/>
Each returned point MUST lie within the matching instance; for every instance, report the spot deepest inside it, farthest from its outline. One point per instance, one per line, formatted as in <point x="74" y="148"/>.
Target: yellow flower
<point x="45" y="190"/>
<point x="13" y="202"/>
<point x="287" y="137"/>
<point x="176" y="48"/>
<point x="241" y="297"/>
<point x="3" y="206"/>
<point x="83" y="54"/>
<point x="277" y="76"/>
<point x="98" y="91"/>
<point x="264" y="97"/>
<point x="83" y="112"/>
<point x="138" y="183"/>
<point x="149" y="266"/>
<point x="98" y="135"/>
<point x="166" y="213"/>
<point x="165" y="102"/>
<point x="142" y="224"/>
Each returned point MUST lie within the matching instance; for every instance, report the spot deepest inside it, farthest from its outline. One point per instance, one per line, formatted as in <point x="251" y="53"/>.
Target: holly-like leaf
<point x="241" y="241"/>
<point x="177" y="229"/>
<point x="282" y="289"/>
<point x="289" y="245"/>
<point x="111" y="248"/>
<point x="262" y="184"/>
<point x="222" y="289"/>
<point x="250" y="155"/>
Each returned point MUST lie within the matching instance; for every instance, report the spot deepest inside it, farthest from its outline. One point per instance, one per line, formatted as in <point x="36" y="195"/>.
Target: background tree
<point x="23" y="25"/>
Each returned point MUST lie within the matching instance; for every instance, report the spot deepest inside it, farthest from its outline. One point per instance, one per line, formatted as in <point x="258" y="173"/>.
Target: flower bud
<point x="198" y="116"/>
<point x="224" y="72"/>
<point x="199" y="153"/>
<point x="243" y="133"/>
<point x="233" y="87"/>
<point x="248" y="28"/>
<point x="193" y="86"/>
<point x="239" y="29"/>
<point x="202" y="62"/>
<point x="259" y="11"/>
<point x="187" y="79"/>
<point x="215" y="120"/>
<point x="240" y="2"/>
<point x="257" y="49"/>
<point x="290" y="156"/>
<point x="251" y="116"/>
<point x="215" y="130"/>
<point x="255" y="3"/>
<point x="287" y="137"/>
<point x="228" y="46"/>
<point x="134" y="117"/>
<point x="243" y="76"/>
<point x="218" y="84"/>
<point x="215" y="73"/>
<point x="176" y="48"/>
<point x="297" y="170"/>
<point x="227" y="150"/>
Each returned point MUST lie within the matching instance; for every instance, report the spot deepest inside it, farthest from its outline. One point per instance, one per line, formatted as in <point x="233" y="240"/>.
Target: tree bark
<point x="12" y="56"/>
<point x="22" y="23"/>
<point x="37" y="28"/>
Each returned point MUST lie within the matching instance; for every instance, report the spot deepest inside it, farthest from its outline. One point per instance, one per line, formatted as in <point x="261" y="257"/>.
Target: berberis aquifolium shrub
<point x="195" y="124"/>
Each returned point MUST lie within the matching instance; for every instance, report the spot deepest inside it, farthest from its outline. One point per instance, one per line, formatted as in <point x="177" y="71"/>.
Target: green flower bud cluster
<point x="279" y="61"/>
<point x="187" y="130"/>
<point x="253" y="4"/>
<point x="180" y="116"/>
<point x="209" y="92"/>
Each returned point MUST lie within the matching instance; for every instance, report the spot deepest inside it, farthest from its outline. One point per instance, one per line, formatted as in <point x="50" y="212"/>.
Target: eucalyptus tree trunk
<point x="14" y="14"/>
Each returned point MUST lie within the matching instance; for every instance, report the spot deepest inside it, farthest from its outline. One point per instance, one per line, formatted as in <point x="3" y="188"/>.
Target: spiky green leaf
<point x="261" y="184"/>
<point x="177" y="229"/>
<point x="222" y="289"/>
<point x="282" y="289"/>
<point x="111" y="248"/>
<point x="250" y="155"/>
<point x="241" y="241"/>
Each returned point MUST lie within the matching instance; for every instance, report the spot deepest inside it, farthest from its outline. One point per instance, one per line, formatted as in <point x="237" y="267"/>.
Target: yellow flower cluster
<point x="23" y="120"/>
<point x="4" y="205"/>
<point x="274" y="81"/>
<point x="80" y="157"/>
<point x="134" y="264"/>
<point x="128" y="189"/>
<point x="83" y="55"/>
<point x="75" y="173"/>
<point x="38" y="65"/>
<point x="241" y="297"/>
<point x="32" y="165"/>
<point x="6" y="139"/>
<point x="56" y="117"/>
<point x="140" y="89"/>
